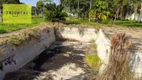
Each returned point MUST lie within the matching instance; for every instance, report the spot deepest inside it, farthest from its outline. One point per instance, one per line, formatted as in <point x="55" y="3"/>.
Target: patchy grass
<point x="93" y="61"/>
<point x="95" y="46"/>
<point x="15" y="40"/>
<point x="5" y="28"/>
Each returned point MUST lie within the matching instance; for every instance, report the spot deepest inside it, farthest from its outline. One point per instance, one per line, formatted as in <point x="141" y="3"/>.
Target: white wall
<point x="137" y="63"/>
<point x="103" y="48"/>
<point x="134" y="16"/>
<point x="80" y="34"/>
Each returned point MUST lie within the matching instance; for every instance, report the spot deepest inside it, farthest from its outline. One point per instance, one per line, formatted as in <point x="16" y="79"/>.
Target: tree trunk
<point x="121" y="16"/>
<point x="78" y="9"/>
<point x="141" y="12"/>
<point x="90" y="9"/>
<point x="116" y="15"/>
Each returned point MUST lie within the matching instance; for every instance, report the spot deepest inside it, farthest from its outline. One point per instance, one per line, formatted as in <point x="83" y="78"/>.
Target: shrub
<point x="55" y="13"/>
<point x="2" y="31"/>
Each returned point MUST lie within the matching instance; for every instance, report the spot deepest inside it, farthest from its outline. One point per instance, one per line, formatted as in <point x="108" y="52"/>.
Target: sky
<point x="33" y="2"/>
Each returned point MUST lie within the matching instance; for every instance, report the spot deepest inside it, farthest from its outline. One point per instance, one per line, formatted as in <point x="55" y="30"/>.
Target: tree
<point x="55" y="13"/>
<point x="39" y="5"/>
<point x="102" y="9"/>
<point x="99" y="11"/>
<point x="122" y="7"/>
<point x="76" y="6"/>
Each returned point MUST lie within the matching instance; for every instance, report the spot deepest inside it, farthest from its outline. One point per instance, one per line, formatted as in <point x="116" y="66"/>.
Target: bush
<point x="2" y="31"/>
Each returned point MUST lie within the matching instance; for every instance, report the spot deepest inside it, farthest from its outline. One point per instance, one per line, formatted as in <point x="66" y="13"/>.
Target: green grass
<point x="108" y="23"/>
<point x="93" y="61"/>
<point x="5" y="28"/>
<point x="126" y="23"/>
<point x="73" y="20"/>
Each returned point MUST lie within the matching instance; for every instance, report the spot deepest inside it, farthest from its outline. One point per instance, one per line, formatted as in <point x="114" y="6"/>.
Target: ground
<point x="62" y="61"/>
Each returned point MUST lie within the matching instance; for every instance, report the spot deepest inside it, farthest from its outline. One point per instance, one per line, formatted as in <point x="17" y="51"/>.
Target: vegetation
<point x="39" y="6"/>
<point x="54" y="12"/>
<point x="25" y="36"/>
<point x="5" y="28"/>
<point x="102" y="13"/>
<point x="126" y="23"/>
<point x="107" y="23"/>
<point x="119" y="60"/>
<point x="15" y="40"/>
<point x="93" y="61"/>
<point x="100" y="10"/>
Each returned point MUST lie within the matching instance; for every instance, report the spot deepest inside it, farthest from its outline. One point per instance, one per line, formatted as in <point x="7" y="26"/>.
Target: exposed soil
<point x="62" y="61"/>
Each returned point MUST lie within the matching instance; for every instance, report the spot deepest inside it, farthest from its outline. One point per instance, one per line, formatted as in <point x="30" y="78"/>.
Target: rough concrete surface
<point x="66" y="64"/>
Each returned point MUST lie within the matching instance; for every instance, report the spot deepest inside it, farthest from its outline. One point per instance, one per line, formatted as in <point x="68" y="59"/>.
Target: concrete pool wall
<point x="15" y="57"/>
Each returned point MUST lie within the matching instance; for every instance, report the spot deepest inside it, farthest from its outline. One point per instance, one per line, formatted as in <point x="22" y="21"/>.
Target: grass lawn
<point x="5" y="28"/>
<point x="72" y="20"/>
<point x="125" y="23"/>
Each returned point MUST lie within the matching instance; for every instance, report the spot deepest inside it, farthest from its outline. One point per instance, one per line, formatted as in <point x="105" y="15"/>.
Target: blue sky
<point x="33" y="2"/>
